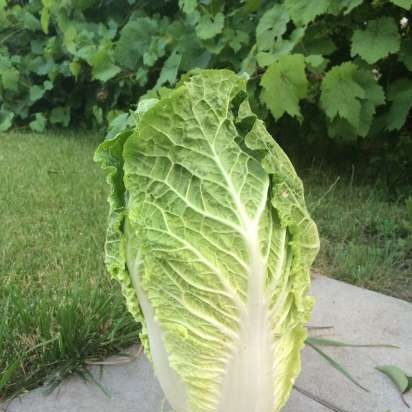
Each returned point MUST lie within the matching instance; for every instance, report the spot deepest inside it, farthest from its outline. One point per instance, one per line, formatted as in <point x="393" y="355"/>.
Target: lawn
<point x="58" y="307"/>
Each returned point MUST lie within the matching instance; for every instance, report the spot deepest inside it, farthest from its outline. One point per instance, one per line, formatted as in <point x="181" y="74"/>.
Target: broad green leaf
<point x="374" y="97"/>
<point x="315" y="60"/>
<point x="44" y="19"/>
<point x="405" y="4"/>
<point x="188" y="6"/>
<point x="42" y="65"/>
<point x="75" y="68"/>
<point x="60" y="115"/>
<point x="405" y="54"/>
<point x="6" y="120"/>
<point x="318" y="39"/>
<point x="117" y="124"/>
<point x="237" y="39"/>
<point x="155" y="50"/>
<point x="380" y="38"/>
<point x="337" y="366"/>
<point x="340" y="129"/>
<point x="36" y="92"/>
<point x="400" y="96"/>
<point x="280" y="48"/>
<point x="103" y="68"/>
<point x="9" y="78"/>
<point x="70" y="38"/>
<point x="252" y="5"/>
<point x="39" y="123"/>
<point x="284" y="84"/>
<point x="209" y="229"/>
<point x="29" y="21"/>
<point x="396" y="375"/>
<point x="249" y="63"/>
<point x="303" y="11"/>
<point x="48" y="85"/>
<point x="169" y="71"/>
<point x="134" y="40"/>
<point x="336" y="7"/>
<point x="272" y="25"/>
<point x="210" y="26"/>
<point x="341" y="93"/>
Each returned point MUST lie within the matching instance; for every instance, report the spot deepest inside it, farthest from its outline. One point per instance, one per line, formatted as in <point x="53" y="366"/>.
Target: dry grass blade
<point x="321" y="401"/>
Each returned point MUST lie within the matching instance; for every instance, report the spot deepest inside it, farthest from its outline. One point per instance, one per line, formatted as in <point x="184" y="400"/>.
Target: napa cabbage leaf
<point x="212" y="243"/>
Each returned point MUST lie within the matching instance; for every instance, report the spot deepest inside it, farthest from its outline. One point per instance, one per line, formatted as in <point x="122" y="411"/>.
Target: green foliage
<point x="286" y="76"/>
<point x="77" y="67"/>
<point x="380" y="38"/>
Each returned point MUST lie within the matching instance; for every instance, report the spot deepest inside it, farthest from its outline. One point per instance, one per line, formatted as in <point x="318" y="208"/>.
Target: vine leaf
<point x="272" y="25"/>
<point x="210" y="26"/>
<point x="400" y="95"/>
<point x="6" y="119"/>
<point x="344" y="5"/>
<point x="374" y="96"/>
<point x="303" y="11"/>
<point x="405" y="4"/>
<point x="340" y="93"/>
<point x="169" y="71"/>
<point x="39" y="123"/>
<point x="380" y="38"/>
<point x="284" y="84"/>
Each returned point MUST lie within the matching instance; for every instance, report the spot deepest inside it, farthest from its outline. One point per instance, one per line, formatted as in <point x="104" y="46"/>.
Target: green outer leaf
<point x="109" y="155"/>
<point x="284" y="84"/>
<point x="337" y="366"/>
<point x="380" y="38"/>
<point x="396" y="375"/>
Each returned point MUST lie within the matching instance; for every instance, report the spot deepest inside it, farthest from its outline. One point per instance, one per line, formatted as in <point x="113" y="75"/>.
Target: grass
<point x="57" y="305"/>
<point x="365" y="233"/>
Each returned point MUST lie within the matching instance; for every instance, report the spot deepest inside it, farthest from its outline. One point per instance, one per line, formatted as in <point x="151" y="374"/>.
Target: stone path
<point x="358" y="316"/>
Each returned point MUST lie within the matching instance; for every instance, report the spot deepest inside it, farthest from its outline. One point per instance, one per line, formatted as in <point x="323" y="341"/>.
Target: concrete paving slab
<point x="358" y="316"/>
